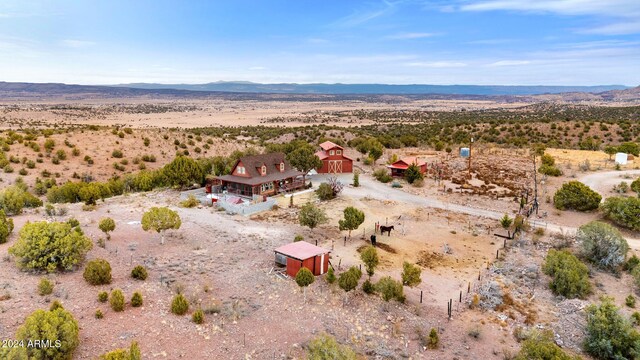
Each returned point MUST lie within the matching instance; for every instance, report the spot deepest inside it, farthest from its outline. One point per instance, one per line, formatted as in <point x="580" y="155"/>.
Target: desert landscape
<point x="482" y="285"/>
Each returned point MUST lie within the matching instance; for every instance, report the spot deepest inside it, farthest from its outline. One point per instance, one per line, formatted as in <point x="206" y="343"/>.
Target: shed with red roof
<point x="399" y="167"/>
<point x="298" y="254"/>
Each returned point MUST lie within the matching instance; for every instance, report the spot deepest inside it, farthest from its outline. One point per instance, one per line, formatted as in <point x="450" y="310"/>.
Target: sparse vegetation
<point x="45" y="287"/>
<point x="325" y="347"/>
<point x="570" y="275"/>
<point x="139" y="272"/>
<point x="116" y="300"/>
<point x="98" y="272"/>
<point x="179" y="305"/>
<point x="575" y="195"/>
<point x="609" y="335"/>
<point x="603" y="245"/>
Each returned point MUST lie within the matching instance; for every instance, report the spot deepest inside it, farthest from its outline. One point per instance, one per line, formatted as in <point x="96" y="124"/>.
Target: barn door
<point x="339" y="166"/>
<point x="335" y="166"/>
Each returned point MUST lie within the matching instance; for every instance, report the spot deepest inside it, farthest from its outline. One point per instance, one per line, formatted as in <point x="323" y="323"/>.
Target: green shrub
<point x="413" y="174"/>
<point x="390" y="289"/>
<point x="635" y="186"/>
<point x="382" y="175"/>
<point x="298" y="237"/>
<point x="139" y="273"/>
<point x="411" y="274"/>
<point x="117" y="154"/>
<point x="325" y="192"/>
<point x="325" y="347"/>
<point x="50" y="246"/>
<point x="179" y="305"/>
<point x="198" y="317"/>
<point x="624" y="211"/>
<point x="348" y="280"/>
<point x="609" y="335"/>
<point x="98" y="314"/>
<point x="369" y="257"/>
<point x="98" y="272"/>
<point x="434" y="339"/>
<point x="133" y="353"/>
<point x="136" y="299"/>
<point x="16" y="197"/>
<point x="190" y="202"/>
<point x="541" y="346"/>
<point x="331" y="276"/>
<point x="56" y="326"/>
<point x="570" y="275"/>
<point x="549" y="170"/>
<point x="368" y="287"/>
<point x="631" y="263"/>
<point x="45" y="287"/>
<point x="635" y="318"/>
<point x="575" y="195"/>
<point x="602" y="244"/>
<point x="183" y="171"/>
<point x="116" y="300"/>
<point x="107" y="225"/>
<point x="6" y="227"/>
<point x="103" y="296"/>
<point x="630" y="301"/>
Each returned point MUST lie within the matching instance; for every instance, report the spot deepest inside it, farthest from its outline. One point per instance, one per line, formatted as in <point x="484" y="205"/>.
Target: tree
<point x="57" y="327"/>
<point x="353" y="218"/>
<point x="183" y="171"/>
<point x="570" y="275"/>
<point x="107" y="225"/>
<point x="629" y="148"/>
<point x="91" y="193"/>
<point x="304" y="159"/>
<point x="325" y="347"/>
<point x="375" y="149"/>
<point x="311" y="216"/>
<point x="602" y="244"/>
<point x="635" y="186"/>
<point x="97" y="272"/>
<point x="304" y="278"/>
<point x="624" y="211"/>
<point x="6" y="227"/>
<point x="325" y="192"/>
<point x="369" y="257"/>
<point x="331" y="276"/>
<point x="16" y="197"/>
<point x="575" y="195"/>
<point x="133" y="353"/>
<point x="540" y="345"/>
<point x="506" y="221"/>
<point x="413" y="173"/>
<point x="50" y="246"/>
<point x="390" y="289"/>
<point x="348" y="280"/>
<point x="356" y="179"/>
<point x="610" y="150"/>
<point x="160" y="219"/>
<point x="411" y="274"/>
<point x="609" y="335"/>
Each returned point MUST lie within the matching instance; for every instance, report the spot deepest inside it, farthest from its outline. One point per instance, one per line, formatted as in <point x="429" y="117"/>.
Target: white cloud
<point x="623" y="15"/>
<point x="510" y="63"/>
<point x="437" y="64"/>
<point x="73" y="43"/>
<point x="411" y="35"/>
<point x="363" y="16"/>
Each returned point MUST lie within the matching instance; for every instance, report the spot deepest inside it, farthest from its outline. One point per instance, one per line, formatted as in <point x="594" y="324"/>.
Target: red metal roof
<point x="321" y="154"/>
<point x="405" y="162"/>
<point x="329" y="145"/>
<point x="301" y="250"/>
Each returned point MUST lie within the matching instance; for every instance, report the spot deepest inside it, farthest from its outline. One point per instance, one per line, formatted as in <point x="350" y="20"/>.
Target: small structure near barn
<point x="334" y="160"/>
<point x="621" y="158"/>
<point x="302" y="254"/>
<point x="259" y="175"/>
<point x="399" y="167"/>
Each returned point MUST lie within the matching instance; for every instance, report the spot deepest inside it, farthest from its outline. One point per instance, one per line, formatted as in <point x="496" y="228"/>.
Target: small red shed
<point x="298" y="254"/>
<point x="399" y="167"/>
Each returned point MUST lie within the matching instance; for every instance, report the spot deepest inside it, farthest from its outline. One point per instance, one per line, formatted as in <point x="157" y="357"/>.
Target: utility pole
<point x="535" y="185"/>
<point x="471" y="143"/>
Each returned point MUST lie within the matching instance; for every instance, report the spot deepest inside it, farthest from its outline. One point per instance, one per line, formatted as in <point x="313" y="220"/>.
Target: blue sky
<point x="505" y="42"/>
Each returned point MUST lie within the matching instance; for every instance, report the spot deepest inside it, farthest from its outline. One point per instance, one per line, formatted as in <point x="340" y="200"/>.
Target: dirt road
<point x="602" y="182"/>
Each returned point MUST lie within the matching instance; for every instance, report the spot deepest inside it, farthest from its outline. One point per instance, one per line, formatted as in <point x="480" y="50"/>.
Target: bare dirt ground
<point x="145" y="113"/>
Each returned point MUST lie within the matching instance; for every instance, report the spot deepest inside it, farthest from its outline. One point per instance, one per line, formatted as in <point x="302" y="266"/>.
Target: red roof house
<point x="298" y="254"/>
<point x="399" y="167"/>
<point x="333" y="158"/>
<point x="265" y="175"/>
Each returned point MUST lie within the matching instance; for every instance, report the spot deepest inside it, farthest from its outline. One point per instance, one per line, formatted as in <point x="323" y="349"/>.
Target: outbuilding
<point x="334" y="160"/>
<point x="298" y="254"/>
<point x="621" y="158"/>
<point x="399" y="167"/>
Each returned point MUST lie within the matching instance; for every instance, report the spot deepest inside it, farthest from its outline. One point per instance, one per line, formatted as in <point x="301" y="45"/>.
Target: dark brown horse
<point x="387" y="229"/>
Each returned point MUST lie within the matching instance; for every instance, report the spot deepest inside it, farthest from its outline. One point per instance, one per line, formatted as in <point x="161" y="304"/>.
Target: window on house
<point x="266" y="187"/>
<point x="240" y="169"/>
<point x="339" y="152"/>
<point x="281" y="167"/>
<point x="331" y="152"/>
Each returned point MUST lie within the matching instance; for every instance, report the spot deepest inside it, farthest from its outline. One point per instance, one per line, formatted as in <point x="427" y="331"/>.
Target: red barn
<point x="399" y="167"/>
<point x="298" y="254"/>
<point x="333" y="158"/>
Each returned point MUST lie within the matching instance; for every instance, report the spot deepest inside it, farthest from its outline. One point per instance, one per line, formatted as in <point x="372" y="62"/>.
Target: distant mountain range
<point x="318" y="92"/>
<point x="336" y="89"/>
